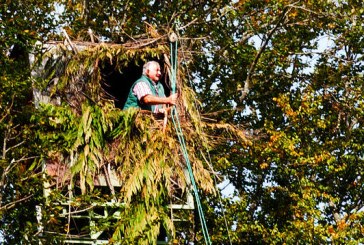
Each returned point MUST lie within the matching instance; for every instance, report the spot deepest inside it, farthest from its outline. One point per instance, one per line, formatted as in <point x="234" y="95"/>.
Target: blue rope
<point x="177" y="126"/>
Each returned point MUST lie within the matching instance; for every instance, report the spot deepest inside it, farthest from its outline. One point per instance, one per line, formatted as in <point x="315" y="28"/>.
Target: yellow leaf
<point x="264" y="165"/>
<point x="331" y="230"/>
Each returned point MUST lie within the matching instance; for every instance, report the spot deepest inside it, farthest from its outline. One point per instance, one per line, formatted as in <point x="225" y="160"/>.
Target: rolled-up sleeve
<point x="141" y="89"/>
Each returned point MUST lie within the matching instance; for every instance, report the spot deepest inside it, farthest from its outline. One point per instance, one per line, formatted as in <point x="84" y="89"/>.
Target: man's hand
<point x="173" y="99"/>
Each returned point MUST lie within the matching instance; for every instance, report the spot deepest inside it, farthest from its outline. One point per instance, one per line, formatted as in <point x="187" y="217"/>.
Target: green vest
<point x="132" y="100"/>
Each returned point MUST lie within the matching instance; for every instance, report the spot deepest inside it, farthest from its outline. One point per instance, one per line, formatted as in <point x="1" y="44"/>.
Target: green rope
<point x="177" y="126"/>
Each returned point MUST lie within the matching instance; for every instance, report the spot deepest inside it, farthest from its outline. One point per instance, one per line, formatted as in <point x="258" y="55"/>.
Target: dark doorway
<point x="117" y="83"/>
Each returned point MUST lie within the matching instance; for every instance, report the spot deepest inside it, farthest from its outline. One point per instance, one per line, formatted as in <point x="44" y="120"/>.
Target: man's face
<point x="154" y="72"/>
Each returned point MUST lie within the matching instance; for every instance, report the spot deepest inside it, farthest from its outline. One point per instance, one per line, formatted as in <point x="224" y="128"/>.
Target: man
<point x="147" y="93"/>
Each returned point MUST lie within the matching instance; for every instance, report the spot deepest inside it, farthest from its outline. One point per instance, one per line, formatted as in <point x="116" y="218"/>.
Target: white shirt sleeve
<point x="141" y="89"/>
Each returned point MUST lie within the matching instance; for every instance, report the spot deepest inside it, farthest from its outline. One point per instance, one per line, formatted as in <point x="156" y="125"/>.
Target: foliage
<point x="20" y="185"/>
<point x="90" y="133"/>
<point x="280" y="85"/>
<point x="299" y="180"/>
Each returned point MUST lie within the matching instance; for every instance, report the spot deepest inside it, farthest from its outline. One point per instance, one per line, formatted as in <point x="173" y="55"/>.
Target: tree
<point x="22" y="23"/>
<point x="257" y="65"/>
<point x="290" y="179"/>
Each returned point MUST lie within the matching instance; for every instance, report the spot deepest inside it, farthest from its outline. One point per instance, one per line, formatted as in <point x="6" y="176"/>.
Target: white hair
<point x="148" y="64"/>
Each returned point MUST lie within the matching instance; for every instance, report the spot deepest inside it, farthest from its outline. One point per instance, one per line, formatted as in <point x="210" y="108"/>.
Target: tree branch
<point x="14" y="146"/>
<point x="245" y="91"/>
<point x="12" y="204"/>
